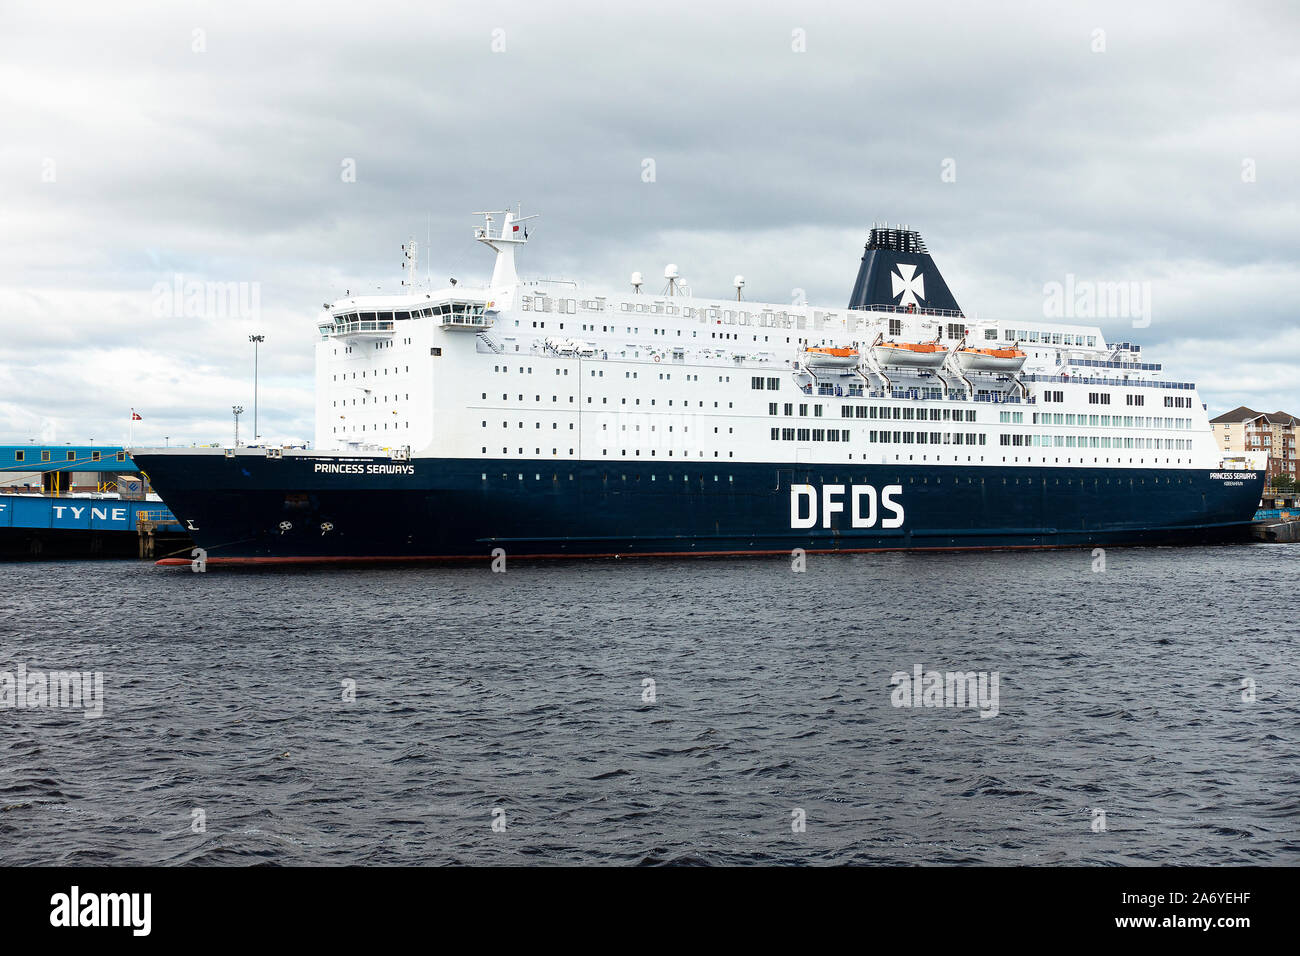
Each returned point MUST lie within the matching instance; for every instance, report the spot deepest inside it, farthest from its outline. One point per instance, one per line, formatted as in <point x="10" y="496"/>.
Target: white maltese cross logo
<point x="909" y="284"/>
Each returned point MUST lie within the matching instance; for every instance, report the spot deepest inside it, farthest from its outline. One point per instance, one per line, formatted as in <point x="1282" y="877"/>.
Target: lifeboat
<point x="910" y="354"/>
<point x="830" y="358"/>
<point x="570" y="346"/>
<point x="991" y="360"/>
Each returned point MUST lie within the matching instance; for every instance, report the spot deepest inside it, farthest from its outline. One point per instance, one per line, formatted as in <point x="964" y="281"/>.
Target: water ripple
<point x="510" y="719"/>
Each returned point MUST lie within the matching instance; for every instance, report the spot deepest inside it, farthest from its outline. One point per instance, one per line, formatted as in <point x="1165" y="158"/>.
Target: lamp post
<point x="238" y="410"/>
<point x="256" y="340"/>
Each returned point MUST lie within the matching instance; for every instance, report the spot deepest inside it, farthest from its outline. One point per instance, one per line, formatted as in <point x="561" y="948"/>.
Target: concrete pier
<point x="1276" y="532"/>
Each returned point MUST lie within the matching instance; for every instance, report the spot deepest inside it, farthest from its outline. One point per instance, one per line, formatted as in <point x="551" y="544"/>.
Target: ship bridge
<point x="378" y="317"/>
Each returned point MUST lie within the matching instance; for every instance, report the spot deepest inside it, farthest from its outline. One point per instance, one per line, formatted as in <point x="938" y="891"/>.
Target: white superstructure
<point x="537" y="369"/>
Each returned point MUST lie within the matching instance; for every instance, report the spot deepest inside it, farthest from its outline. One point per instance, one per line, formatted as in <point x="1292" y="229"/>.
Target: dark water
<point x="1118" y="691"/>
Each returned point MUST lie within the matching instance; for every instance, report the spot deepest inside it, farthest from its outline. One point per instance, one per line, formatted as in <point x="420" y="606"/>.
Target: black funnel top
<point x="898" y="274"/>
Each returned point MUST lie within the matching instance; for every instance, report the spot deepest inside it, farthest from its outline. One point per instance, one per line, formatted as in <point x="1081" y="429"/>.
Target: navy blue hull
<point x="252" y="508"/>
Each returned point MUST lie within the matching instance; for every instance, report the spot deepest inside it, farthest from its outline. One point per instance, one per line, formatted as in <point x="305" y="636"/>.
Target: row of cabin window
<point x="835" y="479"/>
<point x="884" y="438"/>
<point x="810" y="434"/>
<point x="907" y="413"/>
<point x="1102" y="398"/>
<point x="375" y="370"/>
<point x="927" y="438"/>
<point x="605" y="401"/>
<point x="600" y="373"/>
<point x="605" y="451"/>
<point x="605" y="427"/>
<point x="686" y="479"/>
<point x="788" y="409"/>
<point x="1048" y="338"/>
<point x="629" y="330"/>
<point x="1103" y="421"/>
<point x="1095" y="441"/>
<point x="554" y="425"/>
<point x="405" y="398"/>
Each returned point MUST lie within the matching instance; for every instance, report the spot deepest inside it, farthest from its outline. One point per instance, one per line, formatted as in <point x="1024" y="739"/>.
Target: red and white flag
<point x="135" y="416"/>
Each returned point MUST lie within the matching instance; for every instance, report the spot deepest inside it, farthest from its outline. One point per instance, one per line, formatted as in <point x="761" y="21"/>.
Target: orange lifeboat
<point x="991" y="360"/>
<point x="910" y="354"/>
<point x="821" y="357"/>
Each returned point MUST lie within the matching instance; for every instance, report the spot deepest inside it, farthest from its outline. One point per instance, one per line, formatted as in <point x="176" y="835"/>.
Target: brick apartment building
<point x="1274" y="433"/>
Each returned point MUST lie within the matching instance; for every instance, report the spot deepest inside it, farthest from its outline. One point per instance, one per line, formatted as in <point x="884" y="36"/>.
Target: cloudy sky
<point x="1116" y="142"/>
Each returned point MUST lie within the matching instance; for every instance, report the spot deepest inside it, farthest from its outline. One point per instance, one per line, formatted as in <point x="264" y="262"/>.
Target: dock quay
<point x="1278" y="519"/>
<point x="1276" y="526"/>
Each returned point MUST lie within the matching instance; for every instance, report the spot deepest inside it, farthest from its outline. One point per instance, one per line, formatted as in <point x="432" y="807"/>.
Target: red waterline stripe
<point x="429" y="558"/>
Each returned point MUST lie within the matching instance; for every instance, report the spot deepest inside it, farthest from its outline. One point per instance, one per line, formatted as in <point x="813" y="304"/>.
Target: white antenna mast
<point x="503" y="243"/>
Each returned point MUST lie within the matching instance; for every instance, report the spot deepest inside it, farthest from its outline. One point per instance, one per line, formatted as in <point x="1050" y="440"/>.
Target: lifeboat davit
<point x="991" y="360"/>
<point x="830" y="358"/>
<point x="910" y="354"/>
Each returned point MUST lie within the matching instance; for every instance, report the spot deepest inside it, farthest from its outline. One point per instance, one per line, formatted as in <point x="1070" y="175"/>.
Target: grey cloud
<point x="224" y="166"/>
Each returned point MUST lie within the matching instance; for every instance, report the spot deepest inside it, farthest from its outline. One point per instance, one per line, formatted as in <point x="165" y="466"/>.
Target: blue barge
<point x="79" y="501"/>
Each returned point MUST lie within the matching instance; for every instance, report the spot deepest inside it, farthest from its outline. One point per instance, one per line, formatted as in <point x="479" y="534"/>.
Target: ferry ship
<point x="529" y="418"/>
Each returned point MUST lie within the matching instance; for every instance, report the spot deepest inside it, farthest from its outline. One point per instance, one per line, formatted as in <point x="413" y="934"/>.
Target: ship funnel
<point x="897" y="273"/>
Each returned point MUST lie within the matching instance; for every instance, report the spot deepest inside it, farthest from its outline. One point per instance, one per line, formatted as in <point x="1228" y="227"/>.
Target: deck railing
<point x="356" y="326"/>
